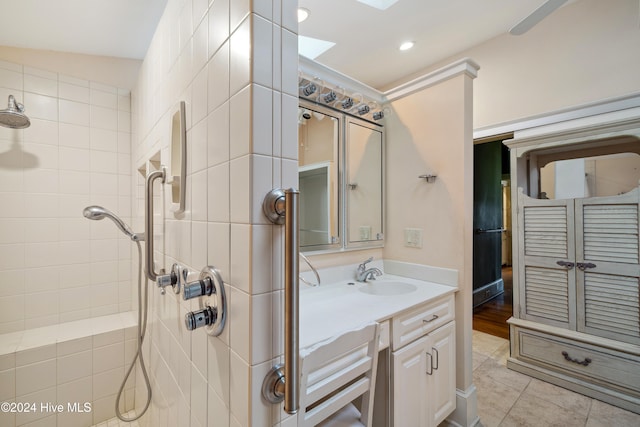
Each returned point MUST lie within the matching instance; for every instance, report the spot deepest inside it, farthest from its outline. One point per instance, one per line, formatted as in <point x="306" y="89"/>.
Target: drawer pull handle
<point x="434" y="317"/>
<point x="568" y="358"/>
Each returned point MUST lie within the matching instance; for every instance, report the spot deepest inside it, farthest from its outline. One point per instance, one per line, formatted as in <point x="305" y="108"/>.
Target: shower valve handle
<point x="172" y="279"/>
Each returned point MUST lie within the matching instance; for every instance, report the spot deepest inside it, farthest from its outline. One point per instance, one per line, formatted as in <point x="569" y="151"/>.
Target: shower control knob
<point x="172" y="279"/>
<point x="205" y="317"/>
<point x="198" y="288"/>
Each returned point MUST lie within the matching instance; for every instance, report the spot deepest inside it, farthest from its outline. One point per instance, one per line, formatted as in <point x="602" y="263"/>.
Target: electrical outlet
<point x="413" y="237"/>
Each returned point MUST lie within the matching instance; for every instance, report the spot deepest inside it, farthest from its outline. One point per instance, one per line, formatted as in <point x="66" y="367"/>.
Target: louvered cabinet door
<point x="547" y="254"/>
<point x="608" y="266"/>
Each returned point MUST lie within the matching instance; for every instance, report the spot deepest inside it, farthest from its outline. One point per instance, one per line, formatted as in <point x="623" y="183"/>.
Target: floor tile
<point x="559" y="396"/>
<point x="531" y="411"/>
<point x="603" y="414"/>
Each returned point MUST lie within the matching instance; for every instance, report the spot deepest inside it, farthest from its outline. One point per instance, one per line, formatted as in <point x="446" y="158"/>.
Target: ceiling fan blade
<point x="536" y="16"/>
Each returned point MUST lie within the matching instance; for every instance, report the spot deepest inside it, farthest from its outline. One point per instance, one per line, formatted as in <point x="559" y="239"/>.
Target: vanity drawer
<point x="413" y="324"/>
<point x="589" y="362"/>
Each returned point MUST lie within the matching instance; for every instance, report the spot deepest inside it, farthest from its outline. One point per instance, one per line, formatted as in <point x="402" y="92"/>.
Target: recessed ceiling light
<point x="303" y="14"/>
<point x="406" y="45"/>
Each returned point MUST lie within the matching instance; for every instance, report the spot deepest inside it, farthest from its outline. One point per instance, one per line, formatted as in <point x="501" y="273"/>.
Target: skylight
<point x="379" y="4"/>
<point x="312" y="48"/>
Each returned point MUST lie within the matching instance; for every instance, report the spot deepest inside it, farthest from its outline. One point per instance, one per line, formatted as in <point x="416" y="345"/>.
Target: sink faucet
<point x="363" y="274"/>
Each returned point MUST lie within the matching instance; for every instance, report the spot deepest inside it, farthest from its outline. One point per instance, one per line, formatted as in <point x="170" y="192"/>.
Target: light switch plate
<point x="413" y="237"/>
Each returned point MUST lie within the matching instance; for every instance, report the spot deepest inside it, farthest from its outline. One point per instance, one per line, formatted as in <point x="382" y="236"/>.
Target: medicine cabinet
<point x="341" y="170"/>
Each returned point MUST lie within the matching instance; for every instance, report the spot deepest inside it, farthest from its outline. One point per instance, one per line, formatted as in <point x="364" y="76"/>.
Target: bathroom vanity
<point x="416" y="367"/>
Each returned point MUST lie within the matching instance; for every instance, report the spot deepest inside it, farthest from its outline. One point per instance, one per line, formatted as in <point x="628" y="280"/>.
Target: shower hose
<point x="143" y="305"/>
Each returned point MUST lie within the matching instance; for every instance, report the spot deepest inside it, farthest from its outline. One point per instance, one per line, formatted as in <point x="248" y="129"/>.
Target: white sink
<point x="387" y="288"/>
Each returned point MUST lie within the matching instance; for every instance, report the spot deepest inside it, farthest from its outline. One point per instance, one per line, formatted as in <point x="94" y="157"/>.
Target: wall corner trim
<point x="465" y="66"/>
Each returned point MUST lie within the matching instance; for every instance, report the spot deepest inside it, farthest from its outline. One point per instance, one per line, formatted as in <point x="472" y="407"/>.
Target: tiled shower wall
<point x="234" y="62"/>
<point x="55" y="265"/>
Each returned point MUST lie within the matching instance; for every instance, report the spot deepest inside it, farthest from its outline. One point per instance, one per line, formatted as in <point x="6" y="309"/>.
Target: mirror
<point x="318" y="169"/>
<point x="364" y="172"/>
<point x="340" y="171"/>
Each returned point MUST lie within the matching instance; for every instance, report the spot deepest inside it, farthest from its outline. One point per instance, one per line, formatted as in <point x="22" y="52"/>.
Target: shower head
<point x="98" y="212"/>
<point x="13" y="117"/>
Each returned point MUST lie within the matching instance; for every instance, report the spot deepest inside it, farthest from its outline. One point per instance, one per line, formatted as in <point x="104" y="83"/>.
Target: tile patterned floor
<point x="510" y="399"/>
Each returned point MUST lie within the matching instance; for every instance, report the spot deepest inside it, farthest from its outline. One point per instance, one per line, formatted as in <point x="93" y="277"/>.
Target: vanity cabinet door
<point x="441" y="391"/>
<point x="409" y="389"/>
<point x="424" y="379"/>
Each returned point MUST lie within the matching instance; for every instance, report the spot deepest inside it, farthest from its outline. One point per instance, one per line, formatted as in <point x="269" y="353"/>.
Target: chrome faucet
<point x="363" y="274"/>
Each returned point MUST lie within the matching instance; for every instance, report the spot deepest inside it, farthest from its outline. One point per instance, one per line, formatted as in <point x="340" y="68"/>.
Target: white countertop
<point x="328" y="310"/>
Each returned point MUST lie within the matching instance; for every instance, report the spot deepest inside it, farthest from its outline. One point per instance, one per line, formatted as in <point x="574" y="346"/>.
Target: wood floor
<point x="491" y="317"/>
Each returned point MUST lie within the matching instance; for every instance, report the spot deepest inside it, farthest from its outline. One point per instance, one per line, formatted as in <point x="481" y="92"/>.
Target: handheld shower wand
<point x="98" y="213"/>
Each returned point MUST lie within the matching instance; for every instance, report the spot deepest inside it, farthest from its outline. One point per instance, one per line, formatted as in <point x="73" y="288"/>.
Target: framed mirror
<point x="319" y="146"/>
<point x="364" y="172"/>
<point x="341" y="173"/>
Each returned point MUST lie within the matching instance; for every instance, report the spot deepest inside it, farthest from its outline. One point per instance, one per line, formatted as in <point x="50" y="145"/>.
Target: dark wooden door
<point x="487" y="221"/>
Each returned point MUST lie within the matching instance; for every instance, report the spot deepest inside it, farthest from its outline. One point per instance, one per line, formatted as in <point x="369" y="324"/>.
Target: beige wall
<point x="118" y="72"/>
<point x="430" y="132"/>
<point x="583" y="52"/>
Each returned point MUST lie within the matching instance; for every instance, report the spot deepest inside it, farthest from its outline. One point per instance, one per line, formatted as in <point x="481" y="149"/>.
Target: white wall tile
<point x="12" y="231"/>
<point x="74" y="159"/>
<point x="104" y="118"/>
<point x="41" y="107"/>
<point x="218" y="414"/>
<point x="107" y="383"/>
<point x="240" y="316"/>
<point x="104" y="140"/>
<point x="35" y="377"/>
<point x="42" y="132"/>
<point x="12" y="79"/>
<point x="197" y="146"/>
<point x="73" y="112"/>
<point x="219" y="247"/>
<point x="108" y="357"/>
<point x="199" y="196"/>
<point x="74" y="135"/>
<point x="239" y="188"/>
<point x="74" y="367"/>
<point x="262" y="120"/>
<point x="261" y="51"/>
<point x="217" y="187"/>
<point x="238" y="10"/>
<point x="240" y="56"/>
<point x="41" y="85"/>
<point x="219" y="77"/>
<point x="289" y="15"/>
<point x="7" y="384"/>
<point x="103" y="99"/>
<point x="199" y="97"/>
<point x="239" y="390"/>
<point x="218" y="135"/>
<point x="261" y="185"/>
<point x="199" y="236"/>
<point x="73" y="92"/>
<point x="239" y="132"/>
<point x="218" y="25"/>
<point x="289" y="56"/>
